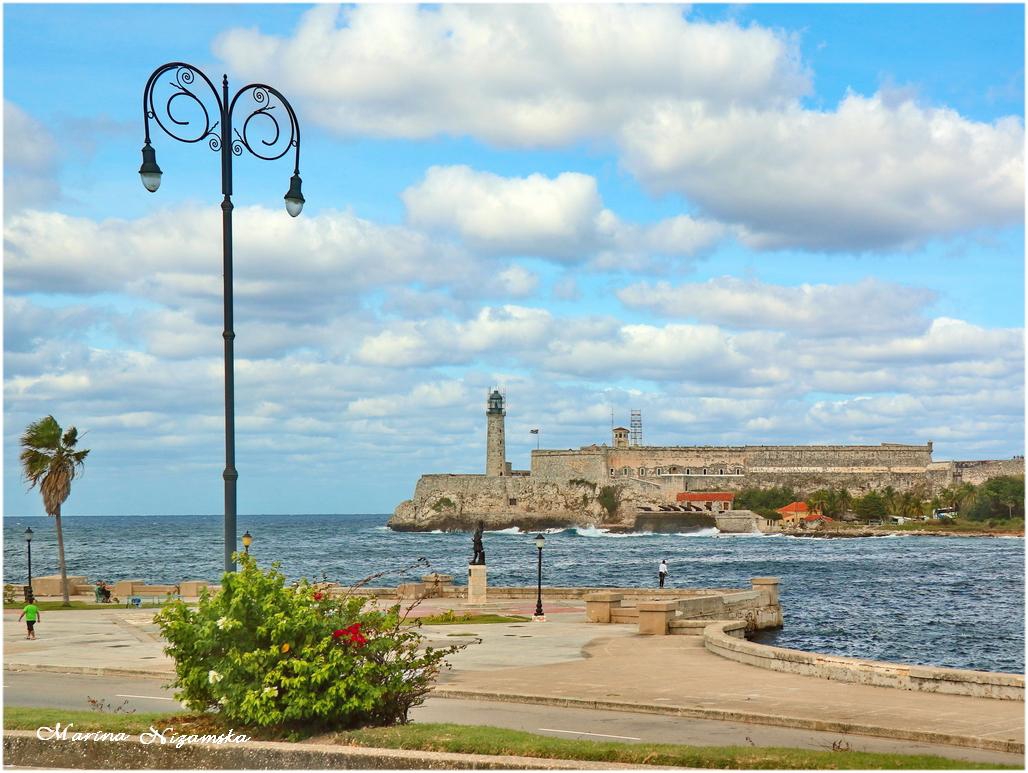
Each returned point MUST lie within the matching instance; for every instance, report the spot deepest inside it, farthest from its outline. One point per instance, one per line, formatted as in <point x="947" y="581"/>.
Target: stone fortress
<point x="625" y="484"/>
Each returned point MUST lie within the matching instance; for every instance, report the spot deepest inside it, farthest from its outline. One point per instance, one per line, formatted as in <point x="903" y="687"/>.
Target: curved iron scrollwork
<point x="264" y="130"/>
<point x="179" y="106"/>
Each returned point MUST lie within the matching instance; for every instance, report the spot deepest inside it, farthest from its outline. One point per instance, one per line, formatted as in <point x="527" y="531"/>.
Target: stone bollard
<point x="598" y="606"/>
<point x="768" y="586"/>
<point x="655" y="615"/>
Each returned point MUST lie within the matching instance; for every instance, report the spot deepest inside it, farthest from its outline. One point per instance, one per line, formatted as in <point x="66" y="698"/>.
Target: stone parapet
<point x="50" y="584"/>
<point x="599" y="606"/>
<point x="718" y="639"/>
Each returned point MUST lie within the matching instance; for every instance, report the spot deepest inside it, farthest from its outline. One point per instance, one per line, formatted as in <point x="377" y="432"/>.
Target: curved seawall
<point x="953" y="681"/>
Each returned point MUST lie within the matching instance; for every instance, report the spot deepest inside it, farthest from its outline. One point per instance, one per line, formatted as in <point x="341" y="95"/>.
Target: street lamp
<point x="540" y="540"/>
<point x="261" y="133"/>
<point x="28" y="545"/>
<point x="247" y="541"/>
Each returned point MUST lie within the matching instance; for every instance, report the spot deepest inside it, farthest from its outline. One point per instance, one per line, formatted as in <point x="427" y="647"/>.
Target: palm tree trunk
<point x="60" y="557"/>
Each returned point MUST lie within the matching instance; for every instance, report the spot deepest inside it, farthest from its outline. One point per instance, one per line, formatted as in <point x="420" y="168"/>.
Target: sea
<point x="946" y="601"/>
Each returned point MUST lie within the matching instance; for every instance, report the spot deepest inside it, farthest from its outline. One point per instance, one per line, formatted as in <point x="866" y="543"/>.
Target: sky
<point x="756" y="224"/>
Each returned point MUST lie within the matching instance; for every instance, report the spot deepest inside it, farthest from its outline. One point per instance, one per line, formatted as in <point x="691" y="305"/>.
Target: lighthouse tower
<point x="495" y="445"/>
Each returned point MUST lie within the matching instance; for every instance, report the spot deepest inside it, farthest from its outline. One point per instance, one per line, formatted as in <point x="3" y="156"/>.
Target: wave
<point x="710" y="531"/>
<point x="593" y="531"/>
<point x="511" y="530"/>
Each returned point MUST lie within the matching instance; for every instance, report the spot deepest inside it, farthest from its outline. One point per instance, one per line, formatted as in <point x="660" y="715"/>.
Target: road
<point x="73" y="691"/>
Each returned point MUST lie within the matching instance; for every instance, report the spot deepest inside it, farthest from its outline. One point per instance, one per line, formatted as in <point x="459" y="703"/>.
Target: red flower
<point x="352" y="633"/>
<point x="319" y="596"/>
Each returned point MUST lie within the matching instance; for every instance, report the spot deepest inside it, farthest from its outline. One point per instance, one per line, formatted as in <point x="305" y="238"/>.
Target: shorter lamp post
<point x="247" y="541"/>
<point x="540" y="540"/>
<point x="28" y="545"/>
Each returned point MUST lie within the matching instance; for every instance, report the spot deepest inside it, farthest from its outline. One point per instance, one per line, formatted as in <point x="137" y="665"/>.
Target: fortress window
<point x="642" y="471"/>
<point x="628" y="470"/>
<point x="688" y="470"/>
<point x="511" y="501"/>
<point x="613" y="472"/>
<point x="721" y="471"/>
<point x="704" y="470"/>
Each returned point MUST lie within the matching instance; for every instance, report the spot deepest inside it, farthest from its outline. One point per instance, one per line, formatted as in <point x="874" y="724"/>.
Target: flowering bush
<point x="267" y="654"/>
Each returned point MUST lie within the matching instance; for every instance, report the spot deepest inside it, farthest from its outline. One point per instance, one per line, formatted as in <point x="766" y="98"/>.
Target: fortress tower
<point x="495" y="445"/>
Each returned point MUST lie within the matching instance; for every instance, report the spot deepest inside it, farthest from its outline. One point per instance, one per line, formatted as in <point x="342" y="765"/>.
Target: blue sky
<point x="762" y="223"/>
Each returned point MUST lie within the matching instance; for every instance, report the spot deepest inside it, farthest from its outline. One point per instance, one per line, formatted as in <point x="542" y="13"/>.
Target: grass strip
<point x="450" y="618"/>
<point x="468" y="739"/>
<point x="31" y="718"/>
<point x="474" y="739"/>
<point x="58" y="606"/>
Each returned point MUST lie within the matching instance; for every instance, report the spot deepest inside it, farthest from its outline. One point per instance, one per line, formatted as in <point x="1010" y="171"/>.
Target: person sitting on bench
<point x="103" y="593"/>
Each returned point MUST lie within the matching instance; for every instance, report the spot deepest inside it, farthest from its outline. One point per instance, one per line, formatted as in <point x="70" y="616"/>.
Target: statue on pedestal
<point x="476" y="541"/>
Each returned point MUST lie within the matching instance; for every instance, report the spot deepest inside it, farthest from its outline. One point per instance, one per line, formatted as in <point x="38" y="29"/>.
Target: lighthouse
<point x="495" y="445"/>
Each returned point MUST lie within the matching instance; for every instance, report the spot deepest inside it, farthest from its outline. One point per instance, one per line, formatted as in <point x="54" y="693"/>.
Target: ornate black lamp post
<point x="540" y="540"/>
<point x="28" y="545"/>
<point x="186" y="116"/>
<point x="247" y="541"/>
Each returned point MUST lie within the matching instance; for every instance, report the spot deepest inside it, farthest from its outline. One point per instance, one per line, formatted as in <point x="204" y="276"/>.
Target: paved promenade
<point x="568" y="661"/>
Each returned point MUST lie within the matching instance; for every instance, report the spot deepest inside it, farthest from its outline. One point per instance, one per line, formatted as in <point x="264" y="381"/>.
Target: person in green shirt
<point x="32" y="616"/>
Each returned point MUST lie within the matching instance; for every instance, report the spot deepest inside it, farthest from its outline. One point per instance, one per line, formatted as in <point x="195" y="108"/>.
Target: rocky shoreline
<point x="846" y="533"/>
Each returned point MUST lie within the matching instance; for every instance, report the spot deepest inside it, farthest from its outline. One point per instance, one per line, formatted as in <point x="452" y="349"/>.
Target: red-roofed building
<point x="707" y="500"/>
<point x="793" y="512"/>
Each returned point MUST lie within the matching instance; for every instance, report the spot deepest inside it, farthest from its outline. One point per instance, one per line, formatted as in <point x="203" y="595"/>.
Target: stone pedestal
<point x="654" y="616"/>
<point x="476" y="584"/>
<point x="598" y="606"/>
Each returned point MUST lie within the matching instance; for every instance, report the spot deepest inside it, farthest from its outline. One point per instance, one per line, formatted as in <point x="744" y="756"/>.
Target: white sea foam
<point x="592" y="531"/>
<point x="511" y="530"/>
<point x="710" y="531"/>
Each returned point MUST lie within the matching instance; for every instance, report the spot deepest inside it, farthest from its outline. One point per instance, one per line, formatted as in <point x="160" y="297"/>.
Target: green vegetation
<point x="49" y="460"/>
<point x="765" y="501"/>
<point x="25" y="718"/>
<point x="444" y="503"/>
<point x="449" y="617"/>
<point x="470" y="739"/>
<point x="295" y="658"/>
<point x="610" y="499"/>
<point x="583" y="483"/>
<point x="496" y="741"/>
<point x="1001" y="497"/>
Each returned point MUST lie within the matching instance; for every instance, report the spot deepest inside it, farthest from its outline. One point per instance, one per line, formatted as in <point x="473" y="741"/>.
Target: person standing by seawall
<point x="662" y="572"/>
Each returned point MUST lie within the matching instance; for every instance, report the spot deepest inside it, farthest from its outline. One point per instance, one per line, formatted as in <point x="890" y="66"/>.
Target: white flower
<point x="213" y="677"/>
<point x="273" y="691"/>
<point x="222" y="622"/>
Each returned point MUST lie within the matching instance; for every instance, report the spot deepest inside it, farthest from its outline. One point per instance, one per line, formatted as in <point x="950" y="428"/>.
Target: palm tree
<point x="49" y="459"/>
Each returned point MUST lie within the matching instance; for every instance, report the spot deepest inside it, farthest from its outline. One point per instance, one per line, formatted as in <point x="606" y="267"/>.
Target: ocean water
<point x="946" y="601"/>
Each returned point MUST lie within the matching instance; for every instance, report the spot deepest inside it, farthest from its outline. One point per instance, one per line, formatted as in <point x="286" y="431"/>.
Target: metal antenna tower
<point x="635" y="434"/>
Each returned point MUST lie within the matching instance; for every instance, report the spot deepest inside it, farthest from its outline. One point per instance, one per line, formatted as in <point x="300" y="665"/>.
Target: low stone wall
<point x="756" y="609"/>
<point x="953" y="681"/>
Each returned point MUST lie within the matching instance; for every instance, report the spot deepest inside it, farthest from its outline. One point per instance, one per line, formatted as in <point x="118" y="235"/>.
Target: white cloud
<point x="561" y="218"/>
<point x="709" y="111"/>
<point x="868" y="307"/>
<point x="30" y="161"/>
<point x="522" y="75"/>
<point x="865" y="176"/>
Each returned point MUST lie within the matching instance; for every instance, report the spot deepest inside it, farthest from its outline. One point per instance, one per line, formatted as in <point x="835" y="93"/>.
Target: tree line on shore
<point x="997" y="498"/>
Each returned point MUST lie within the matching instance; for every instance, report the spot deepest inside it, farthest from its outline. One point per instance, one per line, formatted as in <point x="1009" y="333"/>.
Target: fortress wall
<point x="695" y="458"/>
<point x="978" y="472"/>
<point x="885" y="455"/>
<point x="587" y="464"/>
